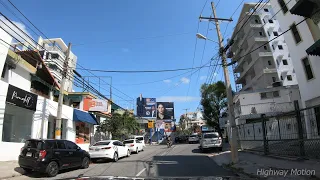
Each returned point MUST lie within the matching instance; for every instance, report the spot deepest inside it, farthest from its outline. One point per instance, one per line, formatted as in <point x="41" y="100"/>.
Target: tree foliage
<point x="120" y="126"/>
<point x="214" y="102"/>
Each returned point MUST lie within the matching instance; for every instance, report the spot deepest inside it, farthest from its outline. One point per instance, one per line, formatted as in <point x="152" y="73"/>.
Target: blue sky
<point x="135" y="35"/>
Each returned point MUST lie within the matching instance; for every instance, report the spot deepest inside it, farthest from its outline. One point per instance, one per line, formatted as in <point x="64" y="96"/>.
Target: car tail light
<point x="131" y="145"/>
<point x="42" y="154"/>
<point x="106" y="148"/>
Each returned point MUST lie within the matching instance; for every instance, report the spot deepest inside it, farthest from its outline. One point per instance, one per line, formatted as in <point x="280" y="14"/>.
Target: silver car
<point x="211" y="140"/>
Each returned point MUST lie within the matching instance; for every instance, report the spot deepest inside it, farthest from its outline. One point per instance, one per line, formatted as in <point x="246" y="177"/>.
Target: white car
<point x="134" y="145"/>
<point x="211" y="140"/>
<point x="109" y="149"/>
<point x="193" y="139"/>
<point x="141" y="139"/>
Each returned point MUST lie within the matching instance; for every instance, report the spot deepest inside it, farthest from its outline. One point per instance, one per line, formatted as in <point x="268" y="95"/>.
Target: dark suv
<point x="50" y="156"/>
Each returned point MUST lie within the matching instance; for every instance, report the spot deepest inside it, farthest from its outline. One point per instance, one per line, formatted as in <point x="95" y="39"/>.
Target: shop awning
<point x="314" y="50"/>
<point x="305" y="8"/>
<point x="84" y="117"/>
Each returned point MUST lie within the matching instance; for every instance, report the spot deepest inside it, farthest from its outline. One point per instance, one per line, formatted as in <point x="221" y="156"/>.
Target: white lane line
<point x="141" y="172"/>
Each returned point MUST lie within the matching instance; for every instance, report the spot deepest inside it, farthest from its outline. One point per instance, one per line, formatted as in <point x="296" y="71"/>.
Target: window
<point x="260" y="33"/>
<point x="307" y="68"/>
<point x="128" y="141"/>
<point x="284" y="62"/>
<point x="269" y="63"/>
<point x="207" y="136"/>
<point x="265" y="48"/>
<point x="263" y="95"/>
<point x="116" y="143"/>
<point x="280" y="47"/>
<point x="281" y="78"/>
<point x="266" y="10"/>
<point x="268" y="33"/>
<point x="295" y="33"/>
<point x="273" y="47"/>
<point x="289" y="77"/>
<point x="283" y="6"/>
<point x="33" y="144"/>
<point x="270" y="21"/>
<point x="61" y="145"/>
<point x="256" y="20"/>
<point x="102" y="143"/>
<point x="71" y="145"/>
<point x="275" y="93"/>
<point x="82" y="133"/>
<point x="275" y="33"/>
<point x="274" y="79"/>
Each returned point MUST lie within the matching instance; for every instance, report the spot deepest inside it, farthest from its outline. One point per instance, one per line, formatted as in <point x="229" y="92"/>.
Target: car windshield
<point x="102" y="143"/>
<point x="210" y="136"/>
<point x="33" y="144"/>
<point x="128" y="141"/>
<point x="139" y="138"/>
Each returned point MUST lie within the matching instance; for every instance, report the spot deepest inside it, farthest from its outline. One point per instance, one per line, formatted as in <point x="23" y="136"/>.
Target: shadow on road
<point x="205" y="151"/>
<point x="190" y="166"/>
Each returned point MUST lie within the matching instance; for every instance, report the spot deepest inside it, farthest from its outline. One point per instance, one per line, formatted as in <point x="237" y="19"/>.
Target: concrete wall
<point x="18" y="77"/>
<point x="4" y="48"/>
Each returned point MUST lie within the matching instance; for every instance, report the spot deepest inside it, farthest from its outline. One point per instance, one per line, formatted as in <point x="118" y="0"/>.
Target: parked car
<point x="141" y="139"/>
<point x="181" y="139"/>
<point x="51" y="156"/>
<point x="210" y="141"/>
<point x="134" y="145"/>
<point x="193" y="139"/>
<point x="109" y="149"/>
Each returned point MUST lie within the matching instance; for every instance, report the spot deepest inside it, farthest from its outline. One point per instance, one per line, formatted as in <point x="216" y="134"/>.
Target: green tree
<point x="120" y="126"/>
<point x="214" y="102"/>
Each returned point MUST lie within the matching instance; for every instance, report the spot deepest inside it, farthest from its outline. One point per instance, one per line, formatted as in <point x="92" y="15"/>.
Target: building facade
<point x="303" y="43"/>
<point x="268" y="66"/>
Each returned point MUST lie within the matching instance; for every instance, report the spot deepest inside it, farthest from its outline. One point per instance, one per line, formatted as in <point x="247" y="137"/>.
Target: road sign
<point x="150" y="124"/>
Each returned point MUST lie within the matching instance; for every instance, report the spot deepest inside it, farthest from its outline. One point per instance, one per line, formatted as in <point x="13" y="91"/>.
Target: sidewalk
<point x="270" y="168"/>
<point x="10" y="169"/>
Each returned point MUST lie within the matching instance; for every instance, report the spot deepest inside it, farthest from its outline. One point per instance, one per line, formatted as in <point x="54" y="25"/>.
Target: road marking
<point x="141" y="172"/>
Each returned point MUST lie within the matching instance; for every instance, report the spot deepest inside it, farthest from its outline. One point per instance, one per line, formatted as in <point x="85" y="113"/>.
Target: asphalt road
<point x="181" y="160"/>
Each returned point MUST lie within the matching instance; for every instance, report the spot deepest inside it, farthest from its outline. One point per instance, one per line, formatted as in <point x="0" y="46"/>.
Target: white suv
<point x="193" y="138"/>
<point x="211" y="140"/>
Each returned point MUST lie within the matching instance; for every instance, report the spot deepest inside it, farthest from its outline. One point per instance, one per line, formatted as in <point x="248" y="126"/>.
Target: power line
<point x="231" y="18"/>
<point x="141" y="71"/>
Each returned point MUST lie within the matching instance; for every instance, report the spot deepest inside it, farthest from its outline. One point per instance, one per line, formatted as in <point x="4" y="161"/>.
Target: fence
<point x="295" y="133"/>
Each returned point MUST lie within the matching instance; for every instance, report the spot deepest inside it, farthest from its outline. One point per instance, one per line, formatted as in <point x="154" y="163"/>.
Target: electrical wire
<point x="223" y="37"/>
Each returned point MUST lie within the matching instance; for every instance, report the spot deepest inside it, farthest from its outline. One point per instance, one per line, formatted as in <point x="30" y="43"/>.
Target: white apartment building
<point x="271" y="64"/>
<point x="303" y="41"/>
<point x="53" y="51"/>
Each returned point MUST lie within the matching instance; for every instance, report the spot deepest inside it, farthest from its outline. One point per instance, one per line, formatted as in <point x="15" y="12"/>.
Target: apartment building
<point x="303" y="41"/>
<point x="265" y="78"/>
<point x="53" y="51"/>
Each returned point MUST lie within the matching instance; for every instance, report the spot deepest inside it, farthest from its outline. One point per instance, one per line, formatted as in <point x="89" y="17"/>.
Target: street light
<point x="200" y="36"/>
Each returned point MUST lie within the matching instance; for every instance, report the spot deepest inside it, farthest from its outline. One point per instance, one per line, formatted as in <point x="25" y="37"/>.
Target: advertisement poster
<point x="95" y="105"/>
<point x="146" y="107"/>
<point x="165" y="111"/>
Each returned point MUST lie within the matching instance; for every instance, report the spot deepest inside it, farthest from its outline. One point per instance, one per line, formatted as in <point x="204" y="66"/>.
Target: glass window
<point x="307" y="68"/>
<point x="265" y="48"/>
<point x="285" y="62"/>
<point x="139" y="138"/>
<point x="270" y="21"/>
<point x="281" y="77"/>
<point x="33" y="144"/>
<point x="210" y="136"/>
<point x="128" y="141"/>
<point x="102" y="143"/>
<point x="61" y="145"/>
<point x="263" y="95"/>
<point x="283" y="6"/>
<point x="82" y="133"/>
<point x="266" y="10"/>
<point x="260" y="33"/>
<point x="274" y="79"/>
<point x="71" y="145"/>
<point x="275" y="33"/>
<point x="269" y="63"/>
<point x="289" y="77"/>
<point x="295" y="33"/>
<point x="116" y="143"/>
<point x="280" y="47"/>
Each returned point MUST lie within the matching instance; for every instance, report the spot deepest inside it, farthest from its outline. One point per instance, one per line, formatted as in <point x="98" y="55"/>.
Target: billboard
<point x="165" y="111"/>
<point x="146" y="107"/>
<point x="95" y="105"/>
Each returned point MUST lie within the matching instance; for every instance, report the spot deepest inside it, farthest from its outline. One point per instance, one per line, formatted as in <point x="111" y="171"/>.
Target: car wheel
<point x="85" y="163"/>
<point x="128" y="153"/>
<point x="52" y="169"/>
<point x="137" y="151"/>
<point x="115" y="157"/>
<point x="27" y="170"/>
<point x="142" y="149"/>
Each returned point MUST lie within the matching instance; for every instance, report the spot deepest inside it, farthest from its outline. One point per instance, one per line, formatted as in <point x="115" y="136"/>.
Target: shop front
<point x="16" y="124"/>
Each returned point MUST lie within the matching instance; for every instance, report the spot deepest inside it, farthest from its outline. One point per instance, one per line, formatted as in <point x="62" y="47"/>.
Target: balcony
<point x="261" y="39"/>
<point x="314" y="50"/>
<point x="257" y="76"/>
<point x="305" y="8"/>
<point x="265" y="54"/>
<point x="269" y="70"/>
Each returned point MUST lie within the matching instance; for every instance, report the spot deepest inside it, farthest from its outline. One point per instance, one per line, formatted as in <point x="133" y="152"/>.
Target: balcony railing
<point x="260" y="108"/>
<point x="265" y="54"/>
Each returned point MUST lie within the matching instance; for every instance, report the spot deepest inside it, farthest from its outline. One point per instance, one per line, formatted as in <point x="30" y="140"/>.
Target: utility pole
<point x="222" y="52"/>
<point x="60" y="100"/>
<point x="186" y="118"/>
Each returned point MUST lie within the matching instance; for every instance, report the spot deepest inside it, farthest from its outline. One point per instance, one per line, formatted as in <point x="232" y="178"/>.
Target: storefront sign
<point x="21" y="98"/>
<point x="95" y="105"/>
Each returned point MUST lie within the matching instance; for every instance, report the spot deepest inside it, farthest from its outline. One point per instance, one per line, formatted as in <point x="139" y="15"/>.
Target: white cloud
<point x="16" y="31"/>
<point x="185" y="80"/>
<point x="125" y="50"/>
<point x="203" y="78"/>
<point x="167" y="81"/>
<point x="215" y="74"/>
<point x="178" y="99"/>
